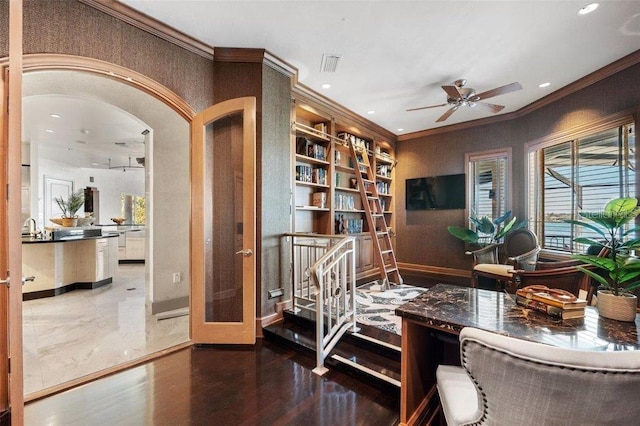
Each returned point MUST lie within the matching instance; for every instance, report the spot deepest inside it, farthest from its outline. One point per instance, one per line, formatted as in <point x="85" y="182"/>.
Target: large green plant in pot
<point x="618" y="273"/>
<point x="70" y="207"/>
<point x="486" y="231"/>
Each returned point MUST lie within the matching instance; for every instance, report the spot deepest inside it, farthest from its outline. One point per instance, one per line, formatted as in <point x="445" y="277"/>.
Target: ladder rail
<point x="374" y="214"/>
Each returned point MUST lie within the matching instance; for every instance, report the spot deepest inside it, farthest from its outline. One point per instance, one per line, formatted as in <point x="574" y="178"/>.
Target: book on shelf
<point x="553" y="297"/>
<point x="553" y="311"/>
<point x="320" y="127"/>
<point x="319" y="199"/>
<point x="310" y="174"/>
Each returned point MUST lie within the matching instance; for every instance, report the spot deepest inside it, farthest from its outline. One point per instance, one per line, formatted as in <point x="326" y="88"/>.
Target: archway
<point x="168" y="165"/>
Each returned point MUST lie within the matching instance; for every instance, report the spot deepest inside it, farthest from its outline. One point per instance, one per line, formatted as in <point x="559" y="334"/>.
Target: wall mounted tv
<point x="445" y="192"/>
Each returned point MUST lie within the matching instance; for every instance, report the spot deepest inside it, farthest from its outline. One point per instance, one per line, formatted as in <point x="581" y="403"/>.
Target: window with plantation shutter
<point x="580" y="174"/>
<point x="488" y="183"/>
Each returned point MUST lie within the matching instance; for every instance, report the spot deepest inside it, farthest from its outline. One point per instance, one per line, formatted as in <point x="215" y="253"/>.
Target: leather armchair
<point x="521" y="251"/>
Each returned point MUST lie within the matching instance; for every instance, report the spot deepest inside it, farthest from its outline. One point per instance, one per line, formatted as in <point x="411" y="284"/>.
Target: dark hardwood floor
<point x="263" y="385"/>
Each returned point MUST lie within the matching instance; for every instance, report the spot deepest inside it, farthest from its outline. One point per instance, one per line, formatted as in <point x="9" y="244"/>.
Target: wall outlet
<point x="176" y="277"/>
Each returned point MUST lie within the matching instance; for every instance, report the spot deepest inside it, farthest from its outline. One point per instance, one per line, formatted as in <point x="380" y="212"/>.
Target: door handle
<point x="7" y="282"/>
<point x="245" y="252"/>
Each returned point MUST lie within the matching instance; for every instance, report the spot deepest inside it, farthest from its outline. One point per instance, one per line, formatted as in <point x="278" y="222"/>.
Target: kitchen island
<point x="76" y="261"/>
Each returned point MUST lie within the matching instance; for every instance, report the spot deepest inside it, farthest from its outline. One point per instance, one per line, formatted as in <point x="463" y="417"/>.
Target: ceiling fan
<point x="458" y="95"/>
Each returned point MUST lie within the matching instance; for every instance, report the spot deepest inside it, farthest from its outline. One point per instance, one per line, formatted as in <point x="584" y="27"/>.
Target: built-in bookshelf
<point x="327" y="200"/>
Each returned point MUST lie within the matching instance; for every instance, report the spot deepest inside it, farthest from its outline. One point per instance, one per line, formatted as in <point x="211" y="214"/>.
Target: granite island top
<point x="451" y="308"/>
<point x="30" y="240"/>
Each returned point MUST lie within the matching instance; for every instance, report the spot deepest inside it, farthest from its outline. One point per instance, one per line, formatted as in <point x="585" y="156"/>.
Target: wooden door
<point x="11" y="381"/>
<point x="223" y="185"/>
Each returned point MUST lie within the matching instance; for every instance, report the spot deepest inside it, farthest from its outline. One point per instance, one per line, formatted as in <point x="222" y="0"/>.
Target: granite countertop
<point x="451" y="308"/>
<point x="30" y="240"/>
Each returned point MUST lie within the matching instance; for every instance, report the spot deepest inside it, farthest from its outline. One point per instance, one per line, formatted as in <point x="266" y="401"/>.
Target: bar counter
<point x="432" y="321"/>
<point x="67" y="263"/>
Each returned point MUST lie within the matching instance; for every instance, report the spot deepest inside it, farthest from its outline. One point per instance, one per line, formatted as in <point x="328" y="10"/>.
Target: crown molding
<point x="238" y="54"/>
<point x="306" y="94"/>
<point x="151" y="25"/>
<point x="584" y="82"/>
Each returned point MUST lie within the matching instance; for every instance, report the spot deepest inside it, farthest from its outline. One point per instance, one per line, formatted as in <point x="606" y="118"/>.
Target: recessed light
<point x="326" y="86"/>
<point x="54" y="115"/>
<point x="371" y="112"/>
<point x="588" y="8"/>
<point x="49" y="130"/>
<point x="401" y="130"/>
<point x="84" y="131"/>
<point x="543" y="85"/>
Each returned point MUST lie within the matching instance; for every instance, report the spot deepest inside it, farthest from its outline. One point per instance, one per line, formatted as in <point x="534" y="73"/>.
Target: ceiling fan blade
<point x="447" y="114"/>
<point x="452" y="91"/>
<point x="498" y="91"/>
<point x="489" y="107"/>
<point x="426" y="107"/>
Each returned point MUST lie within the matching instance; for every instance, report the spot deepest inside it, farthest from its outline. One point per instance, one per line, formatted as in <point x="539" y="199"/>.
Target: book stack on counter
<point x="553" y="302"/>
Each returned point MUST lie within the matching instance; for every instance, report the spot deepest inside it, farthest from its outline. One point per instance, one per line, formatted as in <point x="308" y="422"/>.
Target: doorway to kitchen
<point x="132" y="148"/>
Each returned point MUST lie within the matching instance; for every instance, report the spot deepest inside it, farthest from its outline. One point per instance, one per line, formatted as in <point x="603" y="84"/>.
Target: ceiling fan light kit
<point x="458" y="95"/>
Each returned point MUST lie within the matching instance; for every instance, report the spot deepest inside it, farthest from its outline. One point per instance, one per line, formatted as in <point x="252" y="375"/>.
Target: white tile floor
<point x="84" y="331"/>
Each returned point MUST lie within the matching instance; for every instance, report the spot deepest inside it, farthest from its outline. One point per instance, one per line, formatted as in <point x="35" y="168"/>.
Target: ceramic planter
<point x="619" y="308"/>
<point x="69" y="221"/>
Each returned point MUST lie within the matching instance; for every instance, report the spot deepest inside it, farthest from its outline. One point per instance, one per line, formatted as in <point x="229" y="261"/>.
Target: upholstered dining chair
<point x="521" y="251"/>
<point x="508" y="381"/>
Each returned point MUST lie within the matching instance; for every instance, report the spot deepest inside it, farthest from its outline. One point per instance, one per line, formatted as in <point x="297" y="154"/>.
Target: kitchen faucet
<point x="33" y="226"/>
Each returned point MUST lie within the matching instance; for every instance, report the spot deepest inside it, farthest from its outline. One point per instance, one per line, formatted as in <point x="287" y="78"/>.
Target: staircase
<point x="370" y="354"/>
<point x="376" y="222"/>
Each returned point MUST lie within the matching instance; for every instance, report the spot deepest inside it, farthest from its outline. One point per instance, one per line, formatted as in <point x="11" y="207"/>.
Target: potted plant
<point x="486" y="231"/>
<point x="619" y="272"/>
<point x="70" y="207"/>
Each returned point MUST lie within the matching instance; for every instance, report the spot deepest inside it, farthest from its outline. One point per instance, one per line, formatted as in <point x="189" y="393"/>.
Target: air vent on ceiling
<point x="329" y="62"/>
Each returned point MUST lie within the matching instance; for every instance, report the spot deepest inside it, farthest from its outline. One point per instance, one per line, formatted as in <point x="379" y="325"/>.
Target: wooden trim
<point x="169" y="305"/>
<point x="14" y="151"/>
<point x="582" y="130"/>
<point x="45" y="61"/>
<point x="203" y="331"/>
<point x="4" y="245"/>
<point x="266" y="321"/>
<point x="232" y="54"/>
<point x="584" y="82"/>
<point x="151" y="25"/>
<point x="104" y="373"/>
<point x="435" y="270"/>
<point x="596" y="76"/>
<point x="260" y="56"/>
<point x="302" y="93"/>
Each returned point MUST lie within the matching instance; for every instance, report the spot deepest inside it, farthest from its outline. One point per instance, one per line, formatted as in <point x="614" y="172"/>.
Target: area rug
<point x="377" y="308"/>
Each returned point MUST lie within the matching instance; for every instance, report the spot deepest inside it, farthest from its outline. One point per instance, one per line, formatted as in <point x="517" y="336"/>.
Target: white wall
<point x="110" y="184"/>
<point x="168" y="165"/>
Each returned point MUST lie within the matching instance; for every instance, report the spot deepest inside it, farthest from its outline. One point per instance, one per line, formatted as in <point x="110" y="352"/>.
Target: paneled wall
<point x="422" y="235"/>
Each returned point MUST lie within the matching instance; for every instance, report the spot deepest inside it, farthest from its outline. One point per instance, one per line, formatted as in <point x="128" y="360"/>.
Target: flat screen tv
<point x="445" y="192"/>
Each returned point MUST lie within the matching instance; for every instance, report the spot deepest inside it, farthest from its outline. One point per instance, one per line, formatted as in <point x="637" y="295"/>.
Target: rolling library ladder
<point x="376" y="222"/>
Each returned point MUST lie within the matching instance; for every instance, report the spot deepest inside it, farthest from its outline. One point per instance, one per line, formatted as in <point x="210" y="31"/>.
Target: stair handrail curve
<point x="334" y="276"/>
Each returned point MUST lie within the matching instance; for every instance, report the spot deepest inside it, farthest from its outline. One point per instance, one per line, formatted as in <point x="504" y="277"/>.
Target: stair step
<point x="387" y="376"/>
<point x="290" y="335"/>
<point x="367" y="364"/>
